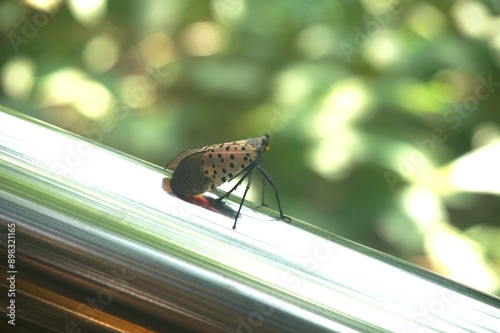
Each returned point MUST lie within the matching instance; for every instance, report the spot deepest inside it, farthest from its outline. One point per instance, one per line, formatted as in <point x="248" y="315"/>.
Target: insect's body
<point x="201" y="169"/>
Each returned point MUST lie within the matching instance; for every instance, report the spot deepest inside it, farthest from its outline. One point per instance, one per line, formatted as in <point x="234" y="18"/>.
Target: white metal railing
<point x="100" y="246"/>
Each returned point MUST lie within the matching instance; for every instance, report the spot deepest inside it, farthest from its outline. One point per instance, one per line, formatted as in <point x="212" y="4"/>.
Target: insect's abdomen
<point x="189" y="177"/>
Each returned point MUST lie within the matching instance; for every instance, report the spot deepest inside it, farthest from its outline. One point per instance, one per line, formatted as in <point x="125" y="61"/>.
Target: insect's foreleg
<point x="234" y="188"/>
<point x="237" y="184"/>
<point x="273" y="185"/>
<point x="263" y="196"/>
<point x="249" y="174"/>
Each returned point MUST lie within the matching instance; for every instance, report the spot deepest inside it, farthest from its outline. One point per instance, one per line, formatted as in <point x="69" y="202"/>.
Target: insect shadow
<point x="201" y="169"/>
<point x="205" y="201"/>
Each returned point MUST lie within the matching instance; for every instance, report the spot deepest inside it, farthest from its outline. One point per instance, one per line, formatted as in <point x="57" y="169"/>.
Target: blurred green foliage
<point x="383" y="115"/>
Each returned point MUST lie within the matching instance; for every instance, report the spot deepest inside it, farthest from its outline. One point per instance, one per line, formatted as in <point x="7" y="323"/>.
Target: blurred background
<point x="383" y="114"/>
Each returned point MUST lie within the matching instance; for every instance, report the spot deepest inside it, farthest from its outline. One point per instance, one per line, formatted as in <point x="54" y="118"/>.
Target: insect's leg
<point x="273" y="185"/>
<point x="263" y="202"/>
<point x="231" y="190"/>
<point x="237" y="184"/>
<point x="249" y="174"/>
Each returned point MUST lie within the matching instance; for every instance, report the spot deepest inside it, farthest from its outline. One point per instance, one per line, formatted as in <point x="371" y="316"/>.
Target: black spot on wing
<point x="219" y="163"/>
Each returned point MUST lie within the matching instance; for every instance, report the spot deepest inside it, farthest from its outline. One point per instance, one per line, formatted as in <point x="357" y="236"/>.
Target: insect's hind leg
<point x="249" y="174"/>
<point x="276" y="194"/>
<point x="235" y="186"/>
<point x="263" y="196"/>
<point x="226" y="195"/>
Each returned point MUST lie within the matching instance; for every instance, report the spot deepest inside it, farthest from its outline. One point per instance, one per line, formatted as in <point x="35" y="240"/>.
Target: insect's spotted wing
<point x="223" y="162"/>
<point x="172" y="164"/>
<point x="200" y="169"/>
<point x="188" y="177"/>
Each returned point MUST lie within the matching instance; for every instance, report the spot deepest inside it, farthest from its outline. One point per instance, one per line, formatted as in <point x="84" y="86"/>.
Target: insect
<point x="201" y="169"/>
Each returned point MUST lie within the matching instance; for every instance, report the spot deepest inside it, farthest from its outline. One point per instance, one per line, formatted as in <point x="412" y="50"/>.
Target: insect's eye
<point x="265" y="139"/>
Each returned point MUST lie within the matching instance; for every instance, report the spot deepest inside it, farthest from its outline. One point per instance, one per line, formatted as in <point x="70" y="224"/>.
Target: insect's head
<point x="265" y="140"/>
<point x="259" y="143"/>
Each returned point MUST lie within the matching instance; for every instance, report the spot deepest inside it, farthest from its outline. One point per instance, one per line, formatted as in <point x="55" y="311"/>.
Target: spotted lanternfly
<point x="201" y="169"/>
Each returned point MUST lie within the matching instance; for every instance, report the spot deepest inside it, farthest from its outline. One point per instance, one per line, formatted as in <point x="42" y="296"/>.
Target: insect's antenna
<point x="273" y="185"/>
<point x="249" y="174"/>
